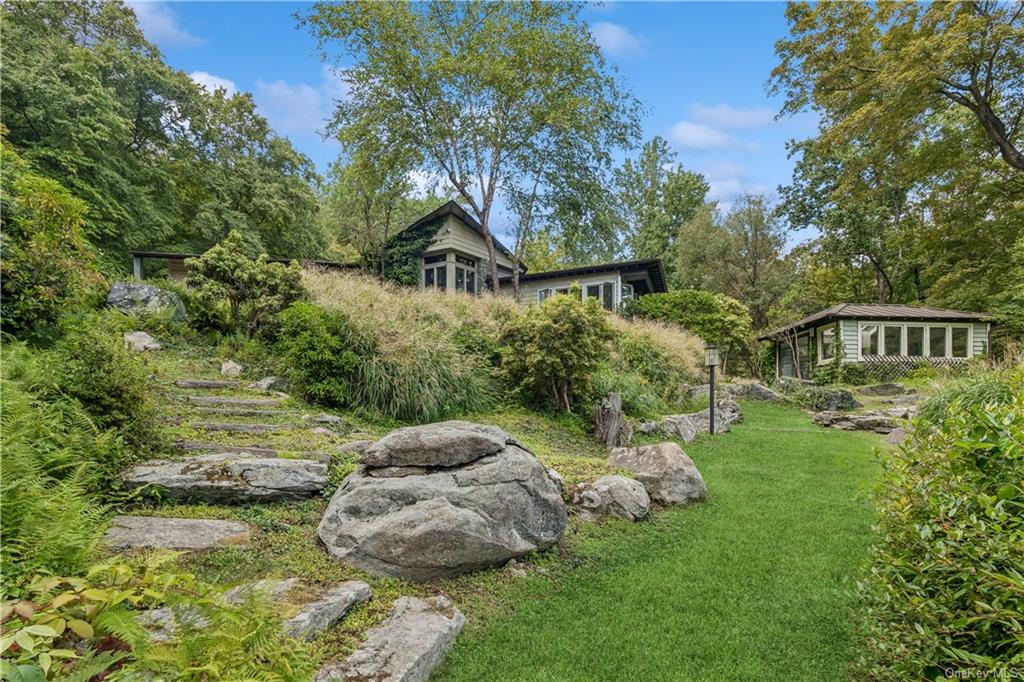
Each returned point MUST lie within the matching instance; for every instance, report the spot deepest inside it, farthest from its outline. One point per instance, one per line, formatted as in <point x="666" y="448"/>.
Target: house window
<point x="937" y="342"/>
<point x="893" y="337"/>
<point x="869" y="339"/>
<point x="959" y="341"/>
<point x="435" y="272"/>
<point x="465" y="280"/>
<point x="603" y="291"/>
<point x="915" y="341"/>
<point x="826" y="343"/>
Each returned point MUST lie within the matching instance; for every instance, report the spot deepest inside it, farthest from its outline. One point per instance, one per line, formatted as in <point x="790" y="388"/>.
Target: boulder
<point x="136" y="298"/>
<point x="895" y="437"/>
<point x="618" y="496"/>
<point x="792" y="384"/>
<point x="558" y="480"/>
<point x="751" y="391"/>
<point x="231" y="478"/>
<point x="356" y="447"/>
<point x="230" y="368"/>
<point x="163" y="624"/>
<point x="828" y="399"/>
<point x="685" y="427"/>
<point x="332" y="419"/>
<point x="669" y="476"/>
<point x="170" y="533"/>
<point x="610" y="425"/>
<point x="328" y="610"/>
<point x="140" y="341"/>
<point x="454" y="506"/>
<point x="696" y="392"/>
<point x="404" y="648"/>
<point x="649" y="428"/>
<point x="886" y="389"/>
<point x="270" y="384"/>
<point x="872" y="421"/>
<point x="448" y="443"/>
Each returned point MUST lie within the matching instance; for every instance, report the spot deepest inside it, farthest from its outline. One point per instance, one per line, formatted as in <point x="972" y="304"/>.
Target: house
<point x="902" y="335"/>
<point x="455" y="259"/>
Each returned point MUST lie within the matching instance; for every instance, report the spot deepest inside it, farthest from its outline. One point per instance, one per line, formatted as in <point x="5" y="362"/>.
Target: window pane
<point x="460" y="279"/>
<point x="960" y="342"/>
<point x="434" y="259"/>
<point x="442" y="277"/>
<point x="893" y="340"/>
<point x="937" y="342"/>
<point x="593" y="291"/>
<point x="609" y="296"/>
<point x="827" y="338"/>
<point x="543" y="294"/>
<point x="428" y="277"/>
<point x="471" y="282"/>
<point x="915" y="341"/>
<point x="869" y="339"/>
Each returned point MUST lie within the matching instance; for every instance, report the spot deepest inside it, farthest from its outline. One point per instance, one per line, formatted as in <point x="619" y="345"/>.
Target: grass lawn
<point x="755" y="584"/>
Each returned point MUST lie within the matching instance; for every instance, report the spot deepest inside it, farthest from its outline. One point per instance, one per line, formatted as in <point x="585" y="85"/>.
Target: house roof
<point x="652" y="266"/>
<point x="179" y="256"/>
<point x="877" y="311"/>
<point x="452" y="208"/>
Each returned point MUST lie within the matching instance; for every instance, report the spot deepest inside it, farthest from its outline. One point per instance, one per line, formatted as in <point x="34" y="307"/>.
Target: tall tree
<point x="881" y="71"/>
<point x="478" y="88"/>
<point x="657" y="196"/>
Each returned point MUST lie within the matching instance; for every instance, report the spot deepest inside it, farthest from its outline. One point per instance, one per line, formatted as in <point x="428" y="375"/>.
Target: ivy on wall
<point x="402" y="253"/>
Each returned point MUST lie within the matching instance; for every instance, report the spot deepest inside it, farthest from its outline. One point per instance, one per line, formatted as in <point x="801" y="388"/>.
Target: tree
<point x="479" y="89"/>
<point x="884" y="72"/>
<point x="701" y="249"/>
<point x="656" y="197"/>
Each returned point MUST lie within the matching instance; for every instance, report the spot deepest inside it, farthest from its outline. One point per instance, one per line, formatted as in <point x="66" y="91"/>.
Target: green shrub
<point x="48" y="266"/>
<point x="640" y="399"/>
<point x="53" y="460"/>
<point x="945" y="590"/>
<point x="980" y="389"/>
<point x="552" y="350"/>
<point x="252" y="290"/>
<point x="317" y="347"/>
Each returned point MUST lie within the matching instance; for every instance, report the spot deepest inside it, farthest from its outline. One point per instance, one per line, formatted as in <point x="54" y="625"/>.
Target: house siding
<point x="980" y="338"/>
<point x="456" y="235"/>
<point x="848" y="331"/>
<point x="528" y="290"/>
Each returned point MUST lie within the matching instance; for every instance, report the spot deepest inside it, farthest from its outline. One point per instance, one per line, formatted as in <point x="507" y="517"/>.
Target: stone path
<point x="168" y="533"/>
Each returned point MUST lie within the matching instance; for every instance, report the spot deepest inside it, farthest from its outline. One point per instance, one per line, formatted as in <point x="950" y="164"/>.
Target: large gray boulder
<point x="616" y="495"/>
<point x="169" y="533"/>
<point x="136" y="298"/>
<point x="404" y="648"/>
<point x="686" y="427"/>
<point x="669" y="476"/>
<point x="468" y="498"/>
<point x="231" y="478"/>
<point x="751" y="391"/>
<point x="327" y="610"/>
<point x="828" y="399"/>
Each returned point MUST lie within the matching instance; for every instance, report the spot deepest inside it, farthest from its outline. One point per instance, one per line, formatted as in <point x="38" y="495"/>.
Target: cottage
<point x="902" y="335"/>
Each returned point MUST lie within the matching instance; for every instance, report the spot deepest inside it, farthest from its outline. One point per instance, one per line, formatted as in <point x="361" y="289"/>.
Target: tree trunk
<point x="610" y="425"/>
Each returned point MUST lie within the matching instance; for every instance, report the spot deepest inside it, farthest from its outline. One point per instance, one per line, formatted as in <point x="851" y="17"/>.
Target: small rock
<point x="404" y="648"/>
<point x="669" y="476"/>
<point x="328" y="419"/>
<point x="270" y="384"/>
<point x="140" y="341"/>
<point x="649" y="428"/>
<point x="321" y="431"/>
<point x="357" y="447"/>
<point x="619" y="496"/>
<point x="895" y="437"/>
<point x="328" y="610"/>
<point x="171" y="533"/>
<point x="136" y="298"/>
<point x="230" y="368"/>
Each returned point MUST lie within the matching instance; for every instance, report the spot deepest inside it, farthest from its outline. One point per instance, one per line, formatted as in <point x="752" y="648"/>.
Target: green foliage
<point x="253" y="290"/>
<point x="648" y="379"/>
<point x="714" y="317"/>
<point x="945" y="590"/>
<point x="53" y="459"/>
<point x="47" y="263"/>
<point x="975" y="391"/>
<point x="553" y="349"/>
<point x="401" y="254"/>
<point x="322" y="352"/>
<point x="92" y="365"/>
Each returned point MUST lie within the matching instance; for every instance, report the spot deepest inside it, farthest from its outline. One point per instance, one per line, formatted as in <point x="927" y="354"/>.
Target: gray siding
<point x="980" y="338"/>
<point x="848" y="332"/>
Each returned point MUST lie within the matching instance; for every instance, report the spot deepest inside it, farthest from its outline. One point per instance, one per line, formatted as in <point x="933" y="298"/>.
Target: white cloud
<point x="332" y="84"/>
<point x="299" y="108"/>
<point x="211" y="82"/>
<point x="160" y="25"/>
<point x="615" y="39"/>
<point x="726" y="116"/>
<point x="697" y="136"/>
<point x="424" y="183"/>
<point x="727" y="181"/>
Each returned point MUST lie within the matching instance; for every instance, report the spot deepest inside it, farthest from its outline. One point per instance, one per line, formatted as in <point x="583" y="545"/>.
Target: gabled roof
<point x="877" y="311"/>
<point x="452" y="208"/>
<point x="651" y="266"/>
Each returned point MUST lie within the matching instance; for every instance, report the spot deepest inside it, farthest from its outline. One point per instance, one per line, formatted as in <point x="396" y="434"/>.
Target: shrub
<point x="48" y="266"/>
<point x="553" y="349"/>
<point x="640" y="399"/>
<point x="945" y="589"/>
<point x="253" y="291"/>
<point x="317" y="345"/>
<point x="980" y="389"/>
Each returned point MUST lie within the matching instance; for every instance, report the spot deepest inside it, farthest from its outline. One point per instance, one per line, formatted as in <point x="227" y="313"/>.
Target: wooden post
<point x="711" y="413"/>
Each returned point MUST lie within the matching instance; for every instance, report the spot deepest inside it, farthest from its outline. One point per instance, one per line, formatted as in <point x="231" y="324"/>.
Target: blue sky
<point x="699" y="69"/>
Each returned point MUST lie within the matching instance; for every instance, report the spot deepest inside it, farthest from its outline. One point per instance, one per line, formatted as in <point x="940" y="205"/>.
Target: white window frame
<point x="817" y="341"/>
<point x="928" y="326"/>
<point x="546" y="292"/>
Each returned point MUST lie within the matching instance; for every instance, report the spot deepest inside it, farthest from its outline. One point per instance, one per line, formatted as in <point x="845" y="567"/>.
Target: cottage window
<point x="937" y="342"/>
<point x="915" y="341"/>
<point x="603" y="291"/>
<point x="893" y="336"/>
<point x="826" y="343"/>
<point x="959" y="341"/>
<point x="869" y="339"/>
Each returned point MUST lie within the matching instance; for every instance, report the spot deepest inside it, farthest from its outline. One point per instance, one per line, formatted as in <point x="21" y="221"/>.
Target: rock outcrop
<point x="404" y="648"/>
<point x="270" y="384"/>
<point x="883" y="421"/>
<point x="442" y="499"/>
<point x="887" y="389"/>
<point x="230" y="368"/>
<point x="141" y="342"/>
<point x="136" y="298"/>
<point x="669" y="476"/>
<point x="327" y="610"/>
<point x="610" y="425"/>
<point x="751" y="391"/>
<point x="618" y="496"/>
<point x="685" y="427"/>
<point x="231" y="478"/>
<point x="170" y="533"/>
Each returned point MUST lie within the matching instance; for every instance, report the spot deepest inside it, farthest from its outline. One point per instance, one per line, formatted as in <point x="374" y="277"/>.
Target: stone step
<point x="207" y="383"/>
<point x="170" y="533"/>
<point x="246" y="411"/>
<point x="231" y="478"/>
<point x="241" y="428"/>
<point x="323" y="613"/>
<point x="229" y="400"/>
<point x="250" y="450"/>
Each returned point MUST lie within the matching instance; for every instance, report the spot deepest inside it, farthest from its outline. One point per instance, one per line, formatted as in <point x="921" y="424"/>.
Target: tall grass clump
<point x="945" y="591"/>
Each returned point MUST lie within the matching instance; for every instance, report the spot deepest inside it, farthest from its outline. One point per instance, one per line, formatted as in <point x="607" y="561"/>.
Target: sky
<point x="699" y="69"/>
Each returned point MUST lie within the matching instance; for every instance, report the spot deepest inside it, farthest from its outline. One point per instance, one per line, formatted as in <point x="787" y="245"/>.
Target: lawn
<point x="755" y="584"/>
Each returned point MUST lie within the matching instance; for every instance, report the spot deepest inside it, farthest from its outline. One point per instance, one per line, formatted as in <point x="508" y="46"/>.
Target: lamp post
<point x="711" y="361"/>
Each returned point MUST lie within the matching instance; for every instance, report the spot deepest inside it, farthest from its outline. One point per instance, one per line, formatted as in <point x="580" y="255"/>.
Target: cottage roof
<point x="452" y="208"/>
<point x="877" y="311"/>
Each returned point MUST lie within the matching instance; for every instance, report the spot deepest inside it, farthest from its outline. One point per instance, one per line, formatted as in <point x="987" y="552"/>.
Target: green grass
<point x="755" y="584"/>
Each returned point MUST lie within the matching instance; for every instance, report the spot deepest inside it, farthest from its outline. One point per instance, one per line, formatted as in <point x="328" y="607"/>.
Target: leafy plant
<point x="552" y="350"/>
<point x="253" y="290"/>
<point x="322" y="352"/>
